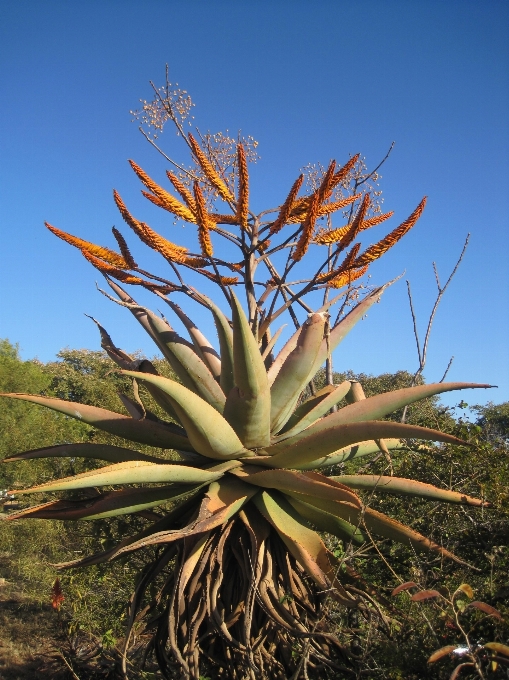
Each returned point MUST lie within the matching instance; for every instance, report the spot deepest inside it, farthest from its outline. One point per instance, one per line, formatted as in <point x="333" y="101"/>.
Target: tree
<point x="249" y="577"/>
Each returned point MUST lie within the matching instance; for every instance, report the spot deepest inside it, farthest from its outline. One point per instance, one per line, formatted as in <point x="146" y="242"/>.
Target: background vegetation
<point x="95" y="598"/>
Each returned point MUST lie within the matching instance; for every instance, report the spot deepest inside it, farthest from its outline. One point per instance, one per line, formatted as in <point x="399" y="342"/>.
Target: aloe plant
<point x="246" y="570"/>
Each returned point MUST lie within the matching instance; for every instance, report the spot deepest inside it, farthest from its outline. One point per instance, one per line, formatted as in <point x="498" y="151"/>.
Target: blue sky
<point x="310" y="81"/>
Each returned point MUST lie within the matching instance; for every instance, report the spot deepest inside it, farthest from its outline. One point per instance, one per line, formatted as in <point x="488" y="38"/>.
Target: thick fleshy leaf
<point x="350" y="453"/>
<point x="406" y="487"/>
<point x="296" y="372"/>
<point x="321" y="439"/>
<point x="109" y="504"/>
<point x="381" y="405"/>
<point x="131" y="472"/>
<point x="343" y="327"/>
<point x="303" y="543"/>
<point x="272" y="342"/>
<point x="376" y="522"/>
<point x="202" y="346"/>
<point x="222" y="501"/>
<point x="324" y="521"/>
<point x="186" y="363"/>
<point x="142" y="431"/>
<point x="208" y="431"/>
<point x="425" y="595"/>
<point x="115" y="454"/>
<point x="166" y="523"/>
<point x="313" y="409"/>
<point x="486" y="609"/>
<point x="160" y="397"/>
<point x="247" y="406"/>
<point x="308" y="483"/>
<point x="225" y="336"/>
<point x="282" y="356"/>
<point x="403" y="587"/>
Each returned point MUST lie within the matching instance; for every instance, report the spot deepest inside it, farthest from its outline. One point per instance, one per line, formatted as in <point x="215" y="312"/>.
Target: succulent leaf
<point x="325" y="521"/>
<point x="109" y="504"/>
<point x="209" y="433"/>
<point x="296" y="371"/>
<point x="313" y="409"/>
<point x="115" y="454"/>
<point x="142" y="431"/>
<point x="247" y="406"/>
<point x="350" y="453"/>
<point x="406" y="487"/>
<point x="322" y="439"/>
<point x="131" y="472"/>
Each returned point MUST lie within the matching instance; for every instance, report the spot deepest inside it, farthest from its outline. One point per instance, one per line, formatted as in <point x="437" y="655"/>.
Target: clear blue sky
<point x="310" y="81"/>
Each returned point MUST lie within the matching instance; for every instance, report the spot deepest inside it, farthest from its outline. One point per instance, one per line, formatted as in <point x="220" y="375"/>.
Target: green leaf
<point x="309" y="483"/>
<point x="225" y="335"/>
<point x="296" y="372"/>
<point x="343" y="327"/>
<point x="376" y="522"/>
<point x="208" y="431"/>
<point x="202" y="346"/>
<point x="303" y="543"/>
<point x="313" y="409"/>
<point x="383" y="404"/>
<point x="142" y="431"/>
<point x="247" y="406"/>
<point x="321" y="439"/>
<point x="325" y="521"/>
<point x="188" y="366"/>
<point x="109" y="504"/>
<point x="406" y="487"/>
<point x="282" y="356"/>
<point x="131" y="472"/>
<point x="272" y="342"/>
<point x="115" y="454"/>
<point x="350" y="453"/>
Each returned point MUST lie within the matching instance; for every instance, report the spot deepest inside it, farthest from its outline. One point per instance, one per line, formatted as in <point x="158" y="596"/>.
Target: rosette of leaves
<point x="241" y="567"/>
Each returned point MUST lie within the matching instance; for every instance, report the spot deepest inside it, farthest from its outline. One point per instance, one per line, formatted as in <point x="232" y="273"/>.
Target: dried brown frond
<point x="356" y="225"/>
<point x="210" y="172"/>
<point x="224" y="219"/>
<point x="287" y="206"/>
<point x="348" y="277"/>
<point x="378" y="249"/>
<point x="165" y="200"/>
<point x="105" y="254"/>
<point x="183" y="191"/>
<point x="151" y="238"/>
<point x="124" y="248"/>
<point x="308" y="227"/>
<point x="204" y="222"/>
<point x="343" y="267"/>
<point x="123" y="276"/>
<point x="243" y="201"/>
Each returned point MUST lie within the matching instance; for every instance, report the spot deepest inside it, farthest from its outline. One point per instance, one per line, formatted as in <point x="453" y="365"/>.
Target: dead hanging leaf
<point x="487" y="609"/>
<point x="57" y="596"/>
<point x="402" y="587"/>
<point x="425" y="595"/>
<point x="440" y="653"/>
